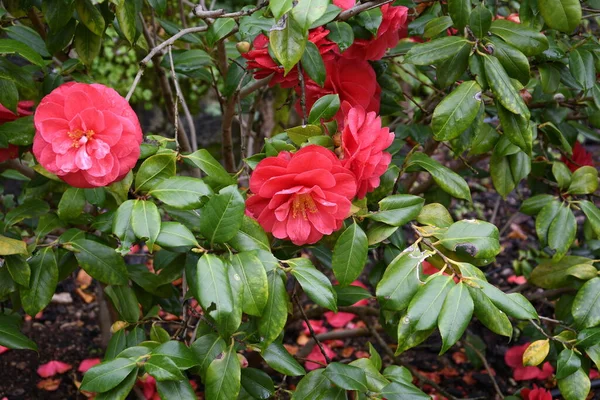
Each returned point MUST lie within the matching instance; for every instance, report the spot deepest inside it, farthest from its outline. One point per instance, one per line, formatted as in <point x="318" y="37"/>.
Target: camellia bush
<point x="348" y="134"/>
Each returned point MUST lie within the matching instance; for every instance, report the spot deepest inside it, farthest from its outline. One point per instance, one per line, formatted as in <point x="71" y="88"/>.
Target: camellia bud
<point x="526" y="96"/>
<point x="337" y="139"/>
<point x="243" y="47"/>
<point x="117" y="326"/>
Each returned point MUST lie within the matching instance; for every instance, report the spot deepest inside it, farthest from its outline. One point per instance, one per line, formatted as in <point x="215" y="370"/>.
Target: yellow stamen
<point x="301" y="203"/>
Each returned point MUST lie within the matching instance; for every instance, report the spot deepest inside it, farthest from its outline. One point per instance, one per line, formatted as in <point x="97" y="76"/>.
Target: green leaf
<point x="477" y="238"/>
<point x="9" y="95"/>
<point x="349" y="255"/>
<point x="341" y="33"/>
<point x="460" y="11"/>
<point x="160" y="6"/>
<point x="514" y="304"/>
<point x="400" y="280"/>
<point x="91" y="17"/>
<point x="18" y="269"/>
<point x="534" y="204"/>
<point x="489" y="315"/>
<point x="176" y="235"/>
<point x="457" y="111"/>
<point x="586" y="306"/>
<point x="222" y="215"/>
<point x="592" y="213"/>
<point x="553" y="275"/>
<point x="562" y="174"/>
<point x="125" y="302"/>
<point x="562" y="231"/>
<point x="122" y="227"/>
<point x="324" y="108"/>
<point x="514" y="62"/>
<point x="435" y="51"/>
<point x="575" y="386"/>
<point x="163" y="369"/>
<point x="588" y="337"/>
<point x="19" y="132"/>
<point x="435" y="214"/>
<point x="187" y="61"/>
<point x="219" y="29"/>
<point x="57" y="13"/>
<point x="398" y="209"/>
<point x="101" y="262"/>
<point x="71" y="203"/>
<point x="250" y="236"/>
<point x="29" y="209"/>
<point x="87" y="44"/>
<point x="288" y="43"/>
<point x="281" y="361"/>
<point x="122" y="390"/>
<point x="11" y="46"/>
<point x="223" y="377"/>
<point x="313" y="64"/>
<point x="254" y="279"/>
<point x="583" y="181"/>
<point x="480" y="21"/>
<point x="107" y="375"/>
<point x="346" y="377"/>
<point x="523" y="38"/>
<point x="206" y="349"/>
<point x="257" y="383"/>
<point x="350" y="295"/>
<point x="176" y="390"/>
<point x="581" y="65"/>
<point x="502" y="87"/>
<point x="9" y="246"/>
<point x="159" y="334"/>
<point x="437" y="26"/>
<point x="125" y="12"/>
<point x="44" y="278"/>
<point x="154" y="170"/>
<point x="549" y="77"/>
<point x="145" y="221"/>
<point x="280" y="7"/>
<point x="455" y="315"/>
<point x="312" y="385"/>
<point x="178" y="353"/>
<point x="447" y="179"/>
<point x="300" y="134"/>
<point x="562" y="15"/>
<point x="11" y="337"/>
<point x="274" y="316"/>
<point x="545" y="218"/>
<point x="568" y="363"/>
<point x="403" y="390"/>
<point x="370" y="20"/>
<point x="424" y="308"/>
<point x="214" y="290"/>
<point x="316" y="285"/>
<point x="507" y="171"/>
<point x="307" y="12"/>
<point x="450" y="70"/>
<point x="210" y="166"/>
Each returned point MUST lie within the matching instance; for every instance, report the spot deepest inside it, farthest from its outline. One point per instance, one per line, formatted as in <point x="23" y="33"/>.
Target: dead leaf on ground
<point x="49" y="385"/>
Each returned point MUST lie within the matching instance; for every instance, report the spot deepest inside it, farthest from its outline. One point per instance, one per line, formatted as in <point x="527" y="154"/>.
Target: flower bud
<point x="117" y="326"/>
<point x="243" y="47"/>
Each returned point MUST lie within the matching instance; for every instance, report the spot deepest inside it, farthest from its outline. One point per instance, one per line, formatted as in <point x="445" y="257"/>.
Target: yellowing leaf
<point x="536" y="353"/>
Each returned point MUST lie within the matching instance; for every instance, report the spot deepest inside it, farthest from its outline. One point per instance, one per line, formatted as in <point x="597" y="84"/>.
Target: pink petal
<point x="52" y="368"/>
<point x="88" y="363"/>
<point x="3" y="349"/>
<point x="338" y="320"/>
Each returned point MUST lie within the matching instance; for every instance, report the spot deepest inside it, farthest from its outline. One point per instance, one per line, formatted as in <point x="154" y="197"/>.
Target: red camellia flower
<point x="363" y="143"/>
<point x="514" y="359"/>
<point x="353" y="80"/>
<point x="301" y="196"/>
<point x="579" y="159"/>
<point x="393" y="27"/>
<point x="23" y="110"/>
<point x="87" y="135"/>
<point x="263" y="65"/>
<point x="535" y="394"/>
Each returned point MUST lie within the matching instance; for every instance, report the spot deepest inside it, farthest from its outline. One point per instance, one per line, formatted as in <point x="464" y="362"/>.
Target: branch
<point x="18" y="166"/>
<point x="312" y="331"/>
<point x="487" y="367"/>
<point x="351" y="12"/>
<point x="202" y="13"/>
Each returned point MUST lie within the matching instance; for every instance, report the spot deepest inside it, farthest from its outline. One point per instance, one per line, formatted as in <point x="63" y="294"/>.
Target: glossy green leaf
<point x="455" y="315"/>
<point x="489" y="315"/>
<point x="280" y="7"/>
<point x="125" y="12"/>
<point x="514" y="62"/>
<point x="12" y="338"/>
<point x="435" y="214"/>
<point x="586" y="306"/>
<point x="568" y="363"/>
<point x="306" y="12"/>
<point x="530" y="42"/>
<point x="125" y="302"/>
<point x="448" y="180"/>
<point x="18" y="269"/>
<point x="181" y="192"/>
<point x="281" y="361"/>
<point x="222" y="215"/>
<point x="29" y="209"/>
<point x="584" y="181"/>
<point x="341" y="33"/>
<point x="533" y="205"/>
<point x="457" y="111"/>
<point x="257" y="383"/>
<point x="103" y="377"/>
<point x="313" y="64"/>
<point x="562" y="231"/>
<point x="223" y="377"/>
<point x="312" y="385"/>
<point x="288" y="43"/>
<point x="9" y="246"/>
<point x="398" y="209"/>
<point x="154" y="170"/>
<point x="163" y="369"/>
<point x="9" y="95"/>
<point x="250" y="236"/>
<point x="44" y="278"/>
<point x="87" y="44"/>
<point x="57" y="13"/>
<point x="90" y="16"/>
<point x="581" y="65"/>
<point x="508" y="171"/>
<point x="460" y="11"/>
<point x="324" y="108"/>
<point x="502" y="87"/>
<point x="480" y="21"/>
<point x="437" y="26"/>
<point x="314" y="283"/>
<point x="300" y="134"/>
<point x="435" y="51"/>
<point x="174" y="235"/>
<point x="400" y="280"/>
<point x="178" y="353"/>
<point x="122" y="390"/>
<point x="551" y="274"/>
<point x="562" y="174"/>
<point x="219" y="30"/>
<point x="254" y="279"/>
<point x="403" y="390"/>
<point x="176" y="390"/>
<point x="145" y="221"/>
<point x="425" y="307"/>
<point x="477" y="238"/>
<point x="274" y="316"/>
<point x="514" y="304"/>
<point x="349" y="295"/>
<point x="346" y="376"/>
<point x="206" y="348"/>
<point x="575" y="386"/>
<point x="349" y="255"/>
<point x="592" y="213"/>
<point x="214" y="289"/>
<point x="562" y="15"/>
<point x="100" y="261"/>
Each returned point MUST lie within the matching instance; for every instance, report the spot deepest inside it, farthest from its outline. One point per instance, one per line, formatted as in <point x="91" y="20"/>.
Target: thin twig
<point x="186" y="110"/>
<point x="351" y="12"/>
<point x="312" y="331"/>
<point x="202" y="13"/>
<point x="487" y="367"/>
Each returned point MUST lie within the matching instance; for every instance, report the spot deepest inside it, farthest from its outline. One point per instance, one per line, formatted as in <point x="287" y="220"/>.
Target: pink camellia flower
<point x="535" y="394"/>
<point x="363" y="143"/>
<point x="316" y="355"/>
<point x="581" y="157"/>
<point x="23" y="110"/>
<point x="301" y="196"/>
<point x="53" y="368"/>
<point x="353" y="80"/>
<point x="393" y="27"/>
<point x="514" y="359"/>
<point x="260" y="61"/>
<point x="87" y="135"/>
